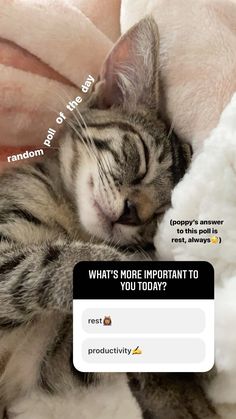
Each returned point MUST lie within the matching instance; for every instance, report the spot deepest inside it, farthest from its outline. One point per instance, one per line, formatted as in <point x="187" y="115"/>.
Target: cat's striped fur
<point x="42" y="237"/>
<point x="110" y="181"/>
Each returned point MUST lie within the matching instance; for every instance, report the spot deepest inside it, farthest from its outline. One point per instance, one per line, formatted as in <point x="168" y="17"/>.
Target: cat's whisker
<point x="145" y="254"/>
<point x="84" y="127"/>
<point x="64" y="103"/>
<point x="100" y="170"/>
<point x="171" y="129"/>
<point x="101" y="175"/>
<point x="100" y="162"/>
<point x="88" y="145"/>
<point x="64" y="100"/>
<point x="71" y="124"/>
<point x="108" y="165"/>
<point x="91" y="144"/>
<point x="77" y="120"/>
<point x="90" y="139"/>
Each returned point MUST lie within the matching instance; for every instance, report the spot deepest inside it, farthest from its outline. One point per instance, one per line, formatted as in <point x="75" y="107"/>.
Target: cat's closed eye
<point x="128" y="160"/>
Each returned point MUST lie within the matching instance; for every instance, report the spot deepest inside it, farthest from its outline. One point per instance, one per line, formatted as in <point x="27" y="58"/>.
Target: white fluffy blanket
<point x="208" y="192"/>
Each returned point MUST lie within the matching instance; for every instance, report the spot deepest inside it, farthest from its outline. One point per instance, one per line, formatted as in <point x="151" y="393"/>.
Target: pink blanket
<point x="47" y="50"/>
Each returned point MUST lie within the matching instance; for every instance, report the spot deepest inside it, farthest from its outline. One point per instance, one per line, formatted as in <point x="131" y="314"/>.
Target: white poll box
<point x="143" y="334"/>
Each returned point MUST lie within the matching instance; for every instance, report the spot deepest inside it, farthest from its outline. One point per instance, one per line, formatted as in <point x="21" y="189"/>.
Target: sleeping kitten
<point x="110" y="182"/>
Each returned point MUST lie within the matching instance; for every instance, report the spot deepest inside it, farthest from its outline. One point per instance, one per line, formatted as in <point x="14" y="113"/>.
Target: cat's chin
<point x="98" y="224"/>
<point x="101" y="225"/>
<point x="113" y="234"/>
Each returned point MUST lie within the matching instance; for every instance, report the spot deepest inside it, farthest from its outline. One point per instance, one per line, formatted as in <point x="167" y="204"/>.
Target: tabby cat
<point x="110" y="181"/>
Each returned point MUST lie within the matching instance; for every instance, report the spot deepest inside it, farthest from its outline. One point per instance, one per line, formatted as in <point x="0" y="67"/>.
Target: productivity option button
<point x="148" y="351"/>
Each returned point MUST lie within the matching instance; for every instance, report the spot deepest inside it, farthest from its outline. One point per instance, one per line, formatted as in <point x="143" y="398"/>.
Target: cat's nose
<point x="129" y="215"/>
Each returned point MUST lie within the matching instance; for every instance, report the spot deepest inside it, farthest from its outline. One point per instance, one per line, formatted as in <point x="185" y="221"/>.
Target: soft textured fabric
<point x="208" y="192"/>
<point x="197" y="59"/>
<point x="47" y="50"/>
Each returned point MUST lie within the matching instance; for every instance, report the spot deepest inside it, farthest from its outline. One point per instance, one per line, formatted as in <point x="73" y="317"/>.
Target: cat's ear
<point x="129" y="76"/>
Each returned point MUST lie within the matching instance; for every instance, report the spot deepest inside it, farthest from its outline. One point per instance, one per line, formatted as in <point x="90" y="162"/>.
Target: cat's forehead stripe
<point x="117" y="138"/>
<point x="123" y="126"/>
<point x="104" y="135"/>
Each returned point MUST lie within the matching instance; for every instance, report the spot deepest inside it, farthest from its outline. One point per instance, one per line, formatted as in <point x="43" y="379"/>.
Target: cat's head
<point x="120" y="161"/>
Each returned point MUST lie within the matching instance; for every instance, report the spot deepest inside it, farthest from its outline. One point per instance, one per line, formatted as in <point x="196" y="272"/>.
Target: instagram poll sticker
<point x="143" y="317"/>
